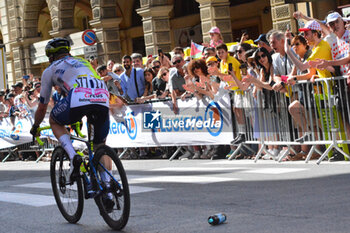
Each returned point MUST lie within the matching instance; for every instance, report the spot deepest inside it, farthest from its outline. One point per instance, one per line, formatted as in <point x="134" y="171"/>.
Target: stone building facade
<point x="126" y="26"/>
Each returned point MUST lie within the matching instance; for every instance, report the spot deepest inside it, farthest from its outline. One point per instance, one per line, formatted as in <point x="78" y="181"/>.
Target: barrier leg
<point x="259" y="153"/>
<point x="284" y="154"/>
<point x="42" y="154"/>
<point x="341" y="151"/>
<point x="325" y="154"/>
<point x="233" y="155"/>
<point x="8" y="156"/>
<point x="123" y="153"/>
<point x="175" y="153"/>
<point x="310" y="154"/>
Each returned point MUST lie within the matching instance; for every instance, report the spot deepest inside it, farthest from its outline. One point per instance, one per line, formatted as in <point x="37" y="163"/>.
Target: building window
<point x="185" y="7"/>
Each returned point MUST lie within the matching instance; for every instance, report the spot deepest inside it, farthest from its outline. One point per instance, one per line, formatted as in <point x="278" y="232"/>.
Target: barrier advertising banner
<point x="198" y="122"/>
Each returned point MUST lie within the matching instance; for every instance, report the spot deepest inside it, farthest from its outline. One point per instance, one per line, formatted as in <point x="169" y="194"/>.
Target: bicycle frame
<point x="86" y="178"/>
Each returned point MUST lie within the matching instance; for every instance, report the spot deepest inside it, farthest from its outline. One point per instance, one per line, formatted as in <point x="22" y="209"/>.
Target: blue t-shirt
<point x="128" y="83"/>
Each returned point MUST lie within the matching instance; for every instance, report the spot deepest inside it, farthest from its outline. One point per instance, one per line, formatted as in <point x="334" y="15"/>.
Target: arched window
<point x="185" y="7"/>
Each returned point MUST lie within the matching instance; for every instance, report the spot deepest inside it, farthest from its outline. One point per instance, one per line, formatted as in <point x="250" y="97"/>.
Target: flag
<point x="196" y="50"/>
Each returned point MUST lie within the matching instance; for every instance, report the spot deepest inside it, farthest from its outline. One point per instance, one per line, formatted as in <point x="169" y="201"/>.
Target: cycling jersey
<point x="75" y="75"/>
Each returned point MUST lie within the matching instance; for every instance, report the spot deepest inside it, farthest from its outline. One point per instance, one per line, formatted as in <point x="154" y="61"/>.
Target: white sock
<point x="105" y="177"/>
<point x="67" y="145"/>
<point x="241" y="128"/>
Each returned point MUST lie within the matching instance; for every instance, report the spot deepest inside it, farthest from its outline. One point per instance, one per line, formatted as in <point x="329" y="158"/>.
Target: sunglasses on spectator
<point x="262" y="56"/>
<point x="296" y="44"/>
<point x="116" y="71"/>
<point x="211" y="63"/>
<point x="164" y="74"/>
<point x="155" y="67"/>
<point x="239" y="51"/>
<point x="176" y="62"/>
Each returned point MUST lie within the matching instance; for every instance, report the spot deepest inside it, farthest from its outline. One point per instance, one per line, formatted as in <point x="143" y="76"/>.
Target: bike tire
<point x="118" y="218"/>
<point x="69" y="197"/>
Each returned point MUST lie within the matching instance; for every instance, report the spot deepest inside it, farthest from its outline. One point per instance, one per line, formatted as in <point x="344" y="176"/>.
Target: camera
<point x="230" y="66"/>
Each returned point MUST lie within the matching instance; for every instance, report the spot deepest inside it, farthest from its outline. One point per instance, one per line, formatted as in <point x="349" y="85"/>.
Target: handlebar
<point x="76" y="128"/>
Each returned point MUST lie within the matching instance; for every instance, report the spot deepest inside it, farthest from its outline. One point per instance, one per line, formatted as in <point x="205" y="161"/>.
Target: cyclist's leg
<point x="99" y="119"/>
<point x="60" y="116"/>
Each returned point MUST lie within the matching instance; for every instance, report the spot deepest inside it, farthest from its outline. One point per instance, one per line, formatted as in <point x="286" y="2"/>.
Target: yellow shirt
<point x="235" y="66"/>
<point x="321" y="51"/>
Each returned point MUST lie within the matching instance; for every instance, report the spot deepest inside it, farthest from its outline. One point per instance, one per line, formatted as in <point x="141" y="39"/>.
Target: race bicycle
<point x="69" y="195"/>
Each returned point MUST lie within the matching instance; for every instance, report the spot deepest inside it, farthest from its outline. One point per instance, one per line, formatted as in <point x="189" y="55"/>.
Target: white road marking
<point x="47" y="185"/>
<point x="181" y="179"/>
<point x="195" y="169"/>
<point x="29" y="199"/>
<point x="273" y="170"/>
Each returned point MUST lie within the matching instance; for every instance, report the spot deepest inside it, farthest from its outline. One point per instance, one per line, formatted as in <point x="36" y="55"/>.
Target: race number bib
<point x="89" y="90"/>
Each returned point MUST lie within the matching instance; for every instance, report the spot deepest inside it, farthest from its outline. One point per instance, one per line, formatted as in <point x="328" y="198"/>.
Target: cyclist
<point x="87" y="95"/>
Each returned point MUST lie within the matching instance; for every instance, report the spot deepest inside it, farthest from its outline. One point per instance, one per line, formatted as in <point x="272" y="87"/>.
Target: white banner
<point x="17" y="134"/>
<point x="199" y="122"/>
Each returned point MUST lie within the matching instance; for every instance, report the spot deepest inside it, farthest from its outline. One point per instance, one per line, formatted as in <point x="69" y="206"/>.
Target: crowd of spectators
<point x="274" y="63"/>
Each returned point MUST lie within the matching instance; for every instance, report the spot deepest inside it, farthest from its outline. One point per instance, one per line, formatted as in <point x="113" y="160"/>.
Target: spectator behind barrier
<point x="132" y="80"/>
<point x="148" y="94"/>
<point x="215" y="38"/>
<point x="118" y="69"/>
<point x="176" y="80"/>
<point x="137" y="60"/>
<point x="164" y="89"/>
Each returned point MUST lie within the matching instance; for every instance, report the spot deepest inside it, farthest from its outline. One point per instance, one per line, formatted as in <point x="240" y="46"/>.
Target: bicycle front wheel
<point x="114" y="202"/>
<point x="69" y="195"/>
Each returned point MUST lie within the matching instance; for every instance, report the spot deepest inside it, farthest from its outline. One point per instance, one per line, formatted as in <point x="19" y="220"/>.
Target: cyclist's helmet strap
<point x="57" y="46"/>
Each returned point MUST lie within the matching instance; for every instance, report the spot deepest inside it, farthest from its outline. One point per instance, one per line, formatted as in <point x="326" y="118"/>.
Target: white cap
<point x="233" y="48"/>
<point x="333" y="17"/>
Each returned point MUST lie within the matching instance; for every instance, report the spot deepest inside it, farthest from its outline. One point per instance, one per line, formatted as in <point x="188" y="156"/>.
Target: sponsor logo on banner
<point x="129" y="126"/>
<point x="152" y="120"/>
<point x="12" y="134"/>
<point x="212" y="121"/>
<point x="214" y="113"/>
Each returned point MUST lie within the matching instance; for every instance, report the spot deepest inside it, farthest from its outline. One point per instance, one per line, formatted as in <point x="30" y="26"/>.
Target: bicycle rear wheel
<point x="117" y="189"/>
<point x="69" y="196"/>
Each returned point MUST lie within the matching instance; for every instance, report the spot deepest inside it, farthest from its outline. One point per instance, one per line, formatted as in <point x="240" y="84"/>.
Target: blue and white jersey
<point x="75" y="75"/>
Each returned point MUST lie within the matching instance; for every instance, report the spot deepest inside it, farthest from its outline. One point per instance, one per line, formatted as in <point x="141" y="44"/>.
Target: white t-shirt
<point x="340" y="49"/>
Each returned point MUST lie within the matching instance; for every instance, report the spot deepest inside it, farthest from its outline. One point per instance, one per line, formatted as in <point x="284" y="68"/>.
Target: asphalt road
<point x="178" y="196"/>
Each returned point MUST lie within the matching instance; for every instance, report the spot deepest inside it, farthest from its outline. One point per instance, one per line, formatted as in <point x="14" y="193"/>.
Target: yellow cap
<point x="211" y="58"/>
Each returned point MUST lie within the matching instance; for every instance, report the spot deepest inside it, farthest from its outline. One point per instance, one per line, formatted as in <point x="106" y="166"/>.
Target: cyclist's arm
<point x="40" y="114"/>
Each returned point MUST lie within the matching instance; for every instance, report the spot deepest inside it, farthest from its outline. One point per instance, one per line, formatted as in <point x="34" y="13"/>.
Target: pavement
<point x="179" y="196"/>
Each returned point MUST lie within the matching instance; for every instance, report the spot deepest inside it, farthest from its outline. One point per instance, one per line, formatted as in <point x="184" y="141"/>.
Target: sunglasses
<point x="116" y="71"/>
<point x="296" y="44"/>
<point x="211" y="64"/>
<point x="155" y="67"/>
<point x="164" y="74"/>
<point x="239" y="51"/>
<point x="176" y="62"/>
<point x="262" y="56"/>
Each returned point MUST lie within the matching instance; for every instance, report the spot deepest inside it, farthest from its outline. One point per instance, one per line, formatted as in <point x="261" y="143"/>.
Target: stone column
<point x="108" y="39"/>
<point x="156" y="27"/>
<point x="282" y="15"/>
<point x="215" y="13"/>
<point x="62" y="17"/>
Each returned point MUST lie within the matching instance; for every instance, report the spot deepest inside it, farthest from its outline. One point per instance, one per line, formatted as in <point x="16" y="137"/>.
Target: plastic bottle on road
<point x="217" y="219"/>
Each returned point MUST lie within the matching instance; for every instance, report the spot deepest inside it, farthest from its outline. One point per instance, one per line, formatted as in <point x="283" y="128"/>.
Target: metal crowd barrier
<point x="14" y="151"/>
<point x="323" y="109"/>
